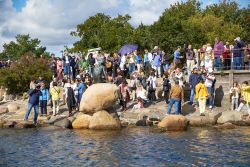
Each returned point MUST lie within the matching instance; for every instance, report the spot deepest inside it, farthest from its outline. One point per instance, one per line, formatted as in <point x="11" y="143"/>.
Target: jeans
<point x="176" y="103"/>
<point x="131" y="68"/>
<point x="43" y="106"/>
<point x="211" y="94"/>
<point x="30" y="106"/>
<point x="202" y="104"/>
<point x="91" y="71"/>
<point x="217" y="63"/>
<point x="67" y="69"/>
<point x="192" y="95"/>
<point x="237" y="63"/>
<point x="165" y="67"/>
<point x="166" y="95"/>
<point x="234" y="104"/>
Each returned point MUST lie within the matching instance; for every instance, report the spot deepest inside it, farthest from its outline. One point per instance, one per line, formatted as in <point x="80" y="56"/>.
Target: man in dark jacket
<point x="194" y="79"/>
<point x="34" y="94"/>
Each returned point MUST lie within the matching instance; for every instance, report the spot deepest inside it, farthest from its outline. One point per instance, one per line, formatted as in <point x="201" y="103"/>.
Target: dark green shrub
<point x="18" y="76"/>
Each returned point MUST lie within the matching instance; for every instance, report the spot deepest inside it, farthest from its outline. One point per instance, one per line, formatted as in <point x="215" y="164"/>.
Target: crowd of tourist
<point x="138" y="76"/>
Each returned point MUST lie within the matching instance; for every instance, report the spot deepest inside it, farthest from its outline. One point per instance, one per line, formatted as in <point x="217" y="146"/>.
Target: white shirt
<point x="152" y="81"/>
<point x="123" y="62"/>
<point x="131" y="60"/>
<point x="209" y="82"/>
<point x="66" y="59"/>
<point x="141" y="94"/>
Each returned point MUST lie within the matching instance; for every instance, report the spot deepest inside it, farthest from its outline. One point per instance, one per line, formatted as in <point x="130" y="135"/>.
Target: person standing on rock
<point x="166" y="87"/>
<point x="34" y="94"/>
<point x="152" y="82"/>
<point x="82" y="88"/>
<point x="55" y="96"/>
<point x="234" y="94"/>
<point x="44" y="97"/>
<point x="70" y="98"/>
<point x="124" y="99"/>
<point x="176" y="95"/>
<point x="194" y="79"/>
<point x="201" y="95"/>
<point x="210" y="83"/>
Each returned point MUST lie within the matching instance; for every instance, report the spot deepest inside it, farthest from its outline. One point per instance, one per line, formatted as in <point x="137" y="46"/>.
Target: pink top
<point x="59" y="64"/>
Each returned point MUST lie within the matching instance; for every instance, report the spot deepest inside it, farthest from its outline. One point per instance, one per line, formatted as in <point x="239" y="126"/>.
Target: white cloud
<point x="148" y="11"/>
<point x="51" y="21"/>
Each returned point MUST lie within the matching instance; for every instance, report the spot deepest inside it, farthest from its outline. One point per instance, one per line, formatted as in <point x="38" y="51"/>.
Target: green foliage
<point x="18" y="76"/>
<point x="103" y="31"/>
<point x="23" y="45"/>
<point x="182" y="23"/>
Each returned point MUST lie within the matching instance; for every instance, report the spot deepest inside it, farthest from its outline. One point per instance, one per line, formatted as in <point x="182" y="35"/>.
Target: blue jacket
<point x="194" y="79"/>
<point x="177" y="54"/>
<point x="34" y="96"/>
<point x="138" y="59"/>
<point x="157" y="61"/>
<point x="44" y="94"/>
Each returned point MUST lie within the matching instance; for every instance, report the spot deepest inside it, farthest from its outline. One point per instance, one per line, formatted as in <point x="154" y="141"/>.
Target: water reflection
<point x="128" y="147"/>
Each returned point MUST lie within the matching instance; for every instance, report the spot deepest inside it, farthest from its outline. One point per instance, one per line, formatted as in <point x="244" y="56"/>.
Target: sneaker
<point x="210" y="107"/>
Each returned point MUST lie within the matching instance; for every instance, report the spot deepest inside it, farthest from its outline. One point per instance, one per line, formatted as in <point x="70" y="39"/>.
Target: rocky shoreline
<point x="101" y="112"/>
<point x="12" y="113"/>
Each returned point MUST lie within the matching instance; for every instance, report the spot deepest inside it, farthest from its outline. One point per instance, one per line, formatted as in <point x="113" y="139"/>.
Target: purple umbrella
<point x="128" y="48"/>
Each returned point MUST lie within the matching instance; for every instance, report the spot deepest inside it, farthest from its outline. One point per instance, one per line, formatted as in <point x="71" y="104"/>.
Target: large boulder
<point x="13" y="107"/>
<point x="64" y="123"/>
<point x="99" y="97"/>
<point x="54" y="119"/>
<point x="209" y="119"/>
<point x="3" y="110"/>
<point x="102" y="120"/>
<point x="25" y="124"/>
<point x="81" y="122"/>
<point x="174" y="123"/>
<point x="2" y="92"/>
<point x="230" y="116"/>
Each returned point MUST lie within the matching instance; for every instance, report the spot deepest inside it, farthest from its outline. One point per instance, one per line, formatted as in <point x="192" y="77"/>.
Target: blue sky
<point x="52" y="20"/>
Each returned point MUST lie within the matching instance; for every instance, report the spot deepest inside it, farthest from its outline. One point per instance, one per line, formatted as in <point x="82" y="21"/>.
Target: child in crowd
<point x="55" y="96"/>
<point x="234" y="94"/>
<point x="140" y="104"/>
<point x="124" y="95"/>
<point x="44" y="97"/>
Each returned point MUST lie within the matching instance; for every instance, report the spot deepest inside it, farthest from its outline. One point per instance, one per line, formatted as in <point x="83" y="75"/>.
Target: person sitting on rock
<point x="140" y="104"/>
<point x="124" y="99"/>
<point x="34" y="94"/>
<point x="176" y="95"/>
<point x="201" y="94"/>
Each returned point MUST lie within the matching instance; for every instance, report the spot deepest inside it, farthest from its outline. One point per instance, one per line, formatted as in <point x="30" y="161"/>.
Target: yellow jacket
<point x="201" y="90"/>
<point x="245" y="92"/>
<point x="55" y="93"/>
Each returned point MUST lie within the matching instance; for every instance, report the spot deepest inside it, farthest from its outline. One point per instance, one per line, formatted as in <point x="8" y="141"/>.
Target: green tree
<point x="170" y="30"/>
<point x="103" y="31"/>
<point x="24" y="44"/>
<point x="18" y="76"/>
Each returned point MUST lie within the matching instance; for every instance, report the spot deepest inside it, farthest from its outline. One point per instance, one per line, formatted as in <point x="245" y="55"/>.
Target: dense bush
<point x="18" y="76"/>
